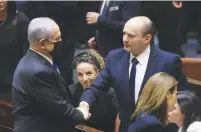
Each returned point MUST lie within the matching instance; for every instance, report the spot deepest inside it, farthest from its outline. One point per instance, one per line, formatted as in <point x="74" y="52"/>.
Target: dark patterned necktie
<point x="132" y="78"/>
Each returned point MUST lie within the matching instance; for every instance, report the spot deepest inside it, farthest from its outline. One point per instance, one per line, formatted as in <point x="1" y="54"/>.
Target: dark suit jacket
<point x="103" y="111"/>
<point x="41" y="100"/>
<point x="116" y="75"/>
<point x="111" y="23"/>
<point x="13" y="46"/>
<point x="149" y="123"/>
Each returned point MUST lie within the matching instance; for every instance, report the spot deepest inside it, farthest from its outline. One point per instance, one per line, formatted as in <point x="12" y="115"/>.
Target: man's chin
<point x="127" y="49"/>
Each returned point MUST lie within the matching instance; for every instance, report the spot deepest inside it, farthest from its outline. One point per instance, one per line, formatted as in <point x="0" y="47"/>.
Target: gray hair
<point x="40" y="28"/>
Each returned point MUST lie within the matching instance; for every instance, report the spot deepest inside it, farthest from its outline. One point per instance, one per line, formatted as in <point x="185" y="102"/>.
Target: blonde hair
<point x="154" y="94"/>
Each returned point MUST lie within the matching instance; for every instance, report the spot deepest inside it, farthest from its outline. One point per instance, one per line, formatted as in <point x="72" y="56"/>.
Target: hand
<point x="85" y="112"/>
<point x="92" y="42"/>
<point x="84" y="105"/>
<point x="177" y="4"/>
<point x="92" y="17"/>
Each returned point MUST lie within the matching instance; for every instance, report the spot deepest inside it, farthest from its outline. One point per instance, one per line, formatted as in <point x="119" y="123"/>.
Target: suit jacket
<point x="116" y="75"/>
<point x="42" y="102"/>
<point x="103" y="111"/>
<point x="148" y="123"/>
<point x="111" y="23"/>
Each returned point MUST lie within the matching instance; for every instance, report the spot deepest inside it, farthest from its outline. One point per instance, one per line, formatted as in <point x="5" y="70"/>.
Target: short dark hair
<point x="190" y="106"/>
<point x="85" y="57"/>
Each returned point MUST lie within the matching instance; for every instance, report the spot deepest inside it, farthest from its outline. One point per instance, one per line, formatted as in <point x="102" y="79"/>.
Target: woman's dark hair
<point x="86" y="57"/>
<point x="190" y="106"/>
<point x="11" y="13"/>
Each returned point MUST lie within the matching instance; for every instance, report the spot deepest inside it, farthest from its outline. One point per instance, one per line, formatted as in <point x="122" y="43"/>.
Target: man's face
<point x="49" y="44"/>
<point x="3" y="5"/>
<point x="134" y="39"/>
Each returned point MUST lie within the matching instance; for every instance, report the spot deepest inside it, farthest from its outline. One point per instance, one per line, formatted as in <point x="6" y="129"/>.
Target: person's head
<point x="8" y="10"/>
<point x="44" y="36"/>
<point x="137" y="34"/>
<point x="158" y="96"/>
<point x="3" y="5"/>
<point x="187" y="110"/>
<point x="88" y="65"/>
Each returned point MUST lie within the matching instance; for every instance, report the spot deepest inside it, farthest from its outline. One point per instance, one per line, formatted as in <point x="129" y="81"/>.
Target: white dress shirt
<point x="44" y="56"/>
<point x="140" y="69"/>
<point x="102" y="6"/>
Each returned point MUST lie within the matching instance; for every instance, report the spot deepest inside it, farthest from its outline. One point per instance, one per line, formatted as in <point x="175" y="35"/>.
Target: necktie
<point x="55" y="66"/>
<point x="105" y="8"/>
<point x="132" y="78"/>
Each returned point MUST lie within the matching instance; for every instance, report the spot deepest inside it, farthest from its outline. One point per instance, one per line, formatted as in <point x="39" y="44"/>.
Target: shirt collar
<point x="141" y="57"/>
<point x="46" y="57"/>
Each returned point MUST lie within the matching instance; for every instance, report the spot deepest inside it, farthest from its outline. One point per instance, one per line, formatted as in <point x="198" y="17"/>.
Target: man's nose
<point x="125" y="38"/>
<point x="85" y="77"/>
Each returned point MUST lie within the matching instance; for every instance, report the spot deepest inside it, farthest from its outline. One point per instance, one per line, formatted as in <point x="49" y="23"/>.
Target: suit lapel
<point x="45" y="62"/>
<point x="151" y="66"/>
<point x="123" y="75"/>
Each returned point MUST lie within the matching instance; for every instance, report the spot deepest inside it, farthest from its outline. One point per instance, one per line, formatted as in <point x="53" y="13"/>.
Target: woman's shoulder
<point x="195" y="127"/>
<point x="145" y="122"/>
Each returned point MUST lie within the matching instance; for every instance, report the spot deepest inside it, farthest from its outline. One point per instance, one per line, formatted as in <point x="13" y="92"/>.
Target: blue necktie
<point x="55" y="66"/>
<point x="132" y="78"/>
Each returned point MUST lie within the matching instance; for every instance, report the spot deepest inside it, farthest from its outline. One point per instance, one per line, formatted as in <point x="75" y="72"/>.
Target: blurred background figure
<point x="13" y="44"/>
<point x="187" y="113"/>
<point x="88" y="65"/>
<point x="109" y="24"/>
<point x="169" y="19"/>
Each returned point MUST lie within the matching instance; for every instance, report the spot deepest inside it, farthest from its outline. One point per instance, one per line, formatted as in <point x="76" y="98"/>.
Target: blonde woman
<point x="157" y="99"/>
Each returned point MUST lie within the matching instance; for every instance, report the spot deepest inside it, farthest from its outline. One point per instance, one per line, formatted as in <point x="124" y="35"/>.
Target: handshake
<point x="84" y="108"/>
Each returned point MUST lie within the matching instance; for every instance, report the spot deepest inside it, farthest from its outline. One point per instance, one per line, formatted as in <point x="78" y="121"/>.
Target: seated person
<point x="104" y="111"/>
<point x="157" y="99"/>
<point x="187" y="112"/>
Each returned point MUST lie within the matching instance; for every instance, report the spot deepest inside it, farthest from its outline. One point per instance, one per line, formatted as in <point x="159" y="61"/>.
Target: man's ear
<point x="148" y="38"/>
<point x="42" y="42"/>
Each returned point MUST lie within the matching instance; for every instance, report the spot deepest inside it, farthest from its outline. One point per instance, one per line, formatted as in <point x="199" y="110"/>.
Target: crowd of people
<point x="122" y="77"/>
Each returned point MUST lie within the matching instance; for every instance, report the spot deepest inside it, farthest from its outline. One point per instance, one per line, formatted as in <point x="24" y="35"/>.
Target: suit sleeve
<point x="49" y="98"/>
<point x="178" y="73"/>
<point x="101" y="84"/>
<point x="130" y="9"/>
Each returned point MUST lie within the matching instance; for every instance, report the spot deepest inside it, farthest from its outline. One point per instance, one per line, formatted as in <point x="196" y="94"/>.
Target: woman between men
<point x="104" y="110"/>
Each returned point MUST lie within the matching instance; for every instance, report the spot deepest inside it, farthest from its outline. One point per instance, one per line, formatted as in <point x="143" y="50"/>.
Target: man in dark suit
<point x="110" y="22"/>
<point x="127" y="70"/>
<point x="41" y="99"/>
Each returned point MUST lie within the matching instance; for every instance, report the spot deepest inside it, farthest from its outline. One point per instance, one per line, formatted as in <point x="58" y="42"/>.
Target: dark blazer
<point x="42" y="102"/>
<point x="103" y="111"/>
<point x="116" y="75"/>
<point x="13" y="46"/>
<point x="148" y="123"/>
<point x="111" y="23"/>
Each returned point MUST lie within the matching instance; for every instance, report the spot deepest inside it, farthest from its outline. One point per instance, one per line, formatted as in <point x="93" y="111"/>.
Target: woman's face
<point x="171" y="100"/>
<point x="86" y="74"/>
<point x="176" y="115"/>
<point x="3" y="5"/>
